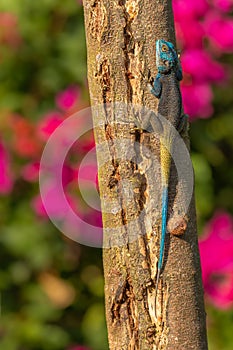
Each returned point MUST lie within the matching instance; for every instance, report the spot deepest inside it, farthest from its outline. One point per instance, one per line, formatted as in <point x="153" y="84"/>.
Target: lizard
<point x="166" y="88"/>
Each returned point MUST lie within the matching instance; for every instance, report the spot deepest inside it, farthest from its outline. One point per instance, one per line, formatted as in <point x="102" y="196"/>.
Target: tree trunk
<point x="121" y="38"/>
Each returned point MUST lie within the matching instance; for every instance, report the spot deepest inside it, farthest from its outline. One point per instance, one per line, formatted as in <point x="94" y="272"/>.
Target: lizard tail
<point x="165" y="171"/>
<point x="164" y="225"/>
<point x="162" y="238"/>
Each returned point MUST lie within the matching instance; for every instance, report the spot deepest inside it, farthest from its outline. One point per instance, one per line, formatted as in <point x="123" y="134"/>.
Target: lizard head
<point x="166" y="56"/>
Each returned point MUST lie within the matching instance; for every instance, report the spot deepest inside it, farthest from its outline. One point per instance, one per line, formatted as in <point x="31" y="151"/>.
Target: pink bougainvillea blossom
<point x="189" y="9"/>
<point x="93" y="217"/>
<point x="6" y="178"/>
<point x="53" y="202"/>
<point x="219" y="30"/>
<point x="49" y="123"/>
<point x="68" y="98"/>
<point x="78" y="347"/>
<point x="204" y="33"/>
<point x="30" y="172"/>
<point x="88" y="172"/>
<point x="223" y="5"/>
<point x="197" y="100"/>
<point x="189" y="29"/>
<point x="216" y="250"/>
<point x="200" y="65"/>
<point x="69" y="174"/>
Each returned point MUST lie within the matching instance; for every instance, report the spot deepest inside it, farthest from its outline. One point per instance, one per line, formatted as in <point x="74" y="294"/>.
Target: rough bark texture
<point x="121" y="39"/>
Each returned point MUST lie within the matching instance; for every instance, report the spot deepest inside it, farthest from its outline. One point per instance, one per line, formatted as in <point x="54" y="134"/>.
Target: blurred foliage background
<point x="51" y="287"/>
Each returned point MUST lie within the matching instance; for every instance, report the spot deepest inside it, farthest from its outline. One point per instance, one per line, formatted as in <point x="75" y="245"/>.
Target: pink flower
<point x="56" y="199"/>
<point x="189" y="29"/>
<point x="200" y="65"/>
<point x="78" y="347"/>
<point x="216" y="251"/>
<point x="219" y="30"/>
<point x="199" y="23"/>
<point x="49" y="123"/>
<point x="88" y="173"/>
<point x="67" y="99"/>
<point x="69" y="174"/>
<point x="189" y="9"/>
<point x="53" y="202"/>
<point x="93" y="217"/>
<point x="6" y="181"/>
<point x="30" y="172"/>
<point x="224" y="5"/>
<point x="197" y="99"/>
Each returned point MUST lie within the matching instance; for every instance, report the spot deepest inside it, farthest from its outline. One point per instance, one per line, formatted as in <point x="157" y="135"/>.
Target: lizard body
<point x="169" y="107"/>
<point x="166" y="88"/>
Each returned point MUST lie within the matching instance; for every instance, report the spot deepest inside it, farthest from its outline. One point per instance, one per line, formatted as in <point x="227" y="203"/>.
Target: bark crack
<point x="128" y="46"/>
<point x="125" y="297"/>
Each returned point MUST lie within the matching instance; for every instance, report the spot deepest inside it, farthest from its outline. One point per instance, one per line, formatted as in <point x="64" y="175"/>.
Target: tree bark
<point x="121" y="38"/>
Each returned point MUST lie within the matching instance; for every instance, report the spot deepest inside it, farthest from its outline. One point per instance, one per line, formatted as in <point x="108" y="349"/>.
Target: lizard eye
<point x="164" y="48"/>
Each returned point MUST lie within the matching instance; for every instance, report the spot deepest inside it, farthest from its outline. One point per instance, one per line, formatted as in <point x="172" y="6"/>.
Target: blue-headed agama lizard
<point x="169" y="119"/>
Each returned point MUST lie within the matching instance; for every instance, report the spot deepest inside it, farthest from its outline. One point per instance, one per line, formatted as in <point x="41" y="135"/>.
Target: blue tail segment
<point x="164" y="225"/>
<point x="163" y="235"/>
